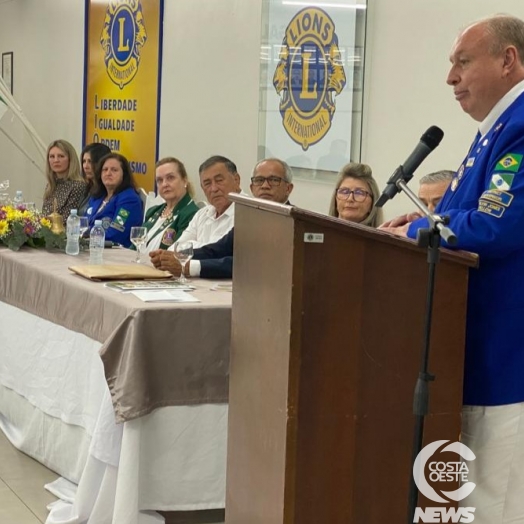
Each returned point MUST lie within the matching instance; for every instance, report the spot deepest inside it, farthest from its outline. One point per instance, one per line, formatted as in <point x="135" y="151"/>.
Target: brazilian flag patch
<point x="120" y="219"/>
<point x="122" y="216"/>
<point x="509" y="162"/>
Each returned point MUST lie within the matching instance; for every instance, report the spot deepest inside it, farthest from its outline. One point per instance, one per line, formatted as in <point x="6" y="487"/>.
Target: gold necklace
<point x="167" y="213"/>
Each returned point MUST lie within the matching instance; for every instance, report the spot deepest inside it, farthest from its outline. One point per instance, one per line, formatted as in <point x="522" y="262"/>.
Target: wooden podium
<point x="327" y="335"/>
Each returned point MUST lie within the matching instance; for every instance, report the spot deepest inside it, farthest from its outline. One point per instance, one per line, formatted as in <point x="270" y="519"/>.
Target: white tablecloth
<point x="55" y="406"/>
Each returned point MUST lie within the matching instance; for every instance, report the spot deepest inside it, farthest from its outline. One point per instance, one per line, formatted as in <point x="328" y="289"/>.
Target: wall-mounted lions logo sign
<point x="122" y="38"/>
<point x="308" y="76"/>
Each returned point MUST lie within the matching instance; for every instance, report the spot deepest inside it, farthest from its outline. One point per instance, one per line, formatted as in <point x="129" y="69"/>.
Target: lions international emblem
<point x="123" y="37"/>
<point x="308" y="76"/>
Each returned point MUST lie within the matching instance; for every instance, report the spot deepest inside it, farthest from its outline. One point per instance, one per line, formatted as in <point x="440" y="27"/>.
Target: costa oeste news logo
<point x="443" y="471"/>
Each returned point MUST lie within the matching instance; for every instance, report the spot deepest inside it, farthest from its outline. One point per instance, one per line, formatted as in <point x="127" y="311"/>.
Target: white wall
<point x="210" y="83"/>
<point x="48" y="71"/>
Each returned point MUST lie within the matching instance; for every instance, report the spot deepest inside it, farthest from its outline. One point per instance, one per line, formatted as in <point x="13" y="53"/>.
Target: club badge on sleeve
<point x="494" y="202"/>
<point x="106" y="222"/>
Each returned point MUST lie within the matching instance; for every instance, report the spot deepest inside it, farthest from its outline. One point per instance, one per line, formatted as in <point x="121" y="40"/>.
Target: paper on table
<point x="228" y="286"/>
<point x="164" y="296"/>
<point x="142" y="285"/>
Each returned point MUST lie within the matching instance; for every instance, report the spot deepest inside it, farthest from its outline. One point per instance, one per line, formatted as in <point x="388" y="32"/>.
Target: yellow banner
<point x="121" y="99"/>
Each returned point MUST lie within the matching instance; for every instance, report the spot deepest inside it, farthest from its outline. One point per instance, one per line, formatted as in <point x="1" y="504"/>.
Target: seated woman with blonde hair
<point x="64" y="179"/>
<point x="166" y="222"/>
<point x="355" y="194"/>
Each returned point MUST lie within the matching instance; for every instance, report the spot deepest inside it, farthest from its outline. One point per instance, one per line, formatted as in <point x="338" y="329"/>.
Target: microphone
<point x="428" y="141"/>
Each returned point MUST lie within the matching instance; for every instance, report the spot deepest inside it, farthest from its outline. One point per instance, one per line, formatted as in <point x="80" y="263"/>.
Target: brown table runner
<point x="154" y="354"/>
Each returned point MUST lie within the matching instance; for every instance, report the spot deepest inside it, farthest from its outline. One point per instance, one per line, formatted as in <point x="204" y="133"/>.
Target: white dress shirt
<point x="206" y="228"/>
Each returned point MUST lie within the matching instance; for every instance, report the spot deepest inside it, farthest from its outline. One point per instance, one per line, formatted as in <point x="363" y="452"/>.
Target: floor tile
<point x="25" y="479"/>
<point x="12" y="509"/>
<point x="33" y="495"/>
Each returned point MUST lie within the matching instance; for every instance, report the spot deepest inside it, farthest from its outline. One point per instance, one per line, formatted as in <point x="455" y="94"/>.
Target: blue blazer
<point x="118" y="216"/>
<point x="216" y="260"/>
<point x="485" y="203"/>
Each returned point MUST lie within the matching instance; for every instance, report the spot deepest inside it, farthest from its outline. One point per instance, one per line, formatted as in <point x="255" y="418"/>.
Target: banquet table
<point x="125" y="399"/>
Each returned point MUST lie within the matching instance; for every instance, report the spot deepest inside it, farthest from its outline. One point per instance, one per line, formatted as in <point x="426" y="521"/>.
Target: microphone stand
<point x="429" y="238"/>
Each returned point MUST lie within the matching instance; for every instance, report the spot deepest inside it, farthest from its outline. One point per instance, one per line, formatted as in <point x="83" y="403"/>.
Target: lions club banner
<point x="122" y="80"/>
<point x="309" y="84"/>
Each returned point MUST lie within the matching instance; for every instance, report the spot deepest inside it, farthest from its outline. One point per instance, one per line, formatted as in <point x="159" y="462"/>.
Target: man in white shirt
<point x="218" y="178"/>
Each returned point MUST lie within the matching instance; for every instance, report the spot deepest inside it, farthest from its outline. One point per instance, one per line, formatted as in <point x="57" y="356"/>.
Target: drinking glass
<point x="84" y="226"/>
<point x="138" y="237"/>
<point x="184" y="253"/>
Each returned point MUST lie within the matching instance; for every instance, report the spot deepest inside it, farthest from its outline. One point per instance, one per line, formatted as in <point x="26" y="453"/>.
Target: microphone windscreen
<point x="432" y="137"/>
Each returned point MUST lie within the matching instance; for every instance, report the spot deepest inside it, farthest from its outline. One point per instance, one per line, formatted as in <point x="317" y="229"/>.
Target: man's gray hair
<point x="505" y="30"/>
<point x="218" y="159"/>
<point x="438" y="176"/>
<point x="288" y="173"/>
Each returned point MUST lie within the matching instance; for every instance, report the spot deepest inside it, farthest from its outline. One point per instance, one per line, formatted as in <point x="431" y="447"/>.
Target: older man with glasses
<point x="272" y="180"/>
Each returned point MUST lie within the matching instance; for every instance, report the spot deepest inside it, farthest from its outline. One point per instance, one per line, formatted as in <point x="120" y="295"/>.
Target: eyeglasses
<point x="273" y="181"/>
<point x="358" y="194"/>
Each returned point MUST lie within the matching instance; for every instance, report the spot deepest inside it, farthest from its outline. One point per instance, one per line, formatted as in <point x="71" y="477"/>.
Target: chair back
<point x="152" y="200"/>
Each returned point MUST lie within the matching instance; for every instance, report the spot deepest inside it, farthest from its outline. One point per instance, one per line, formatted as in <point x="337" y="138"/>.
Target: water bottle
<point x="73" y="233"/>
<point x="97" y="238"/>
<point x="19" y="199"/>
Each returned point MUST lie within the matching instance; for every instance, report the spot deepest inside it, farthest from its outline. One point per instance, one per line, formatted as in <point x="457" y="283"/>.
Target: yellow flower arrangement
<point x="19" y="226"/>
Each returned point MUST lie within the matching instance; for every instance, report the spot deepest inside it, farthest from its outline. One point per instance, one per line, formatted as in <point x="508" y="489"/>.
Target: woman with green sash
<point x="166" y="222"/>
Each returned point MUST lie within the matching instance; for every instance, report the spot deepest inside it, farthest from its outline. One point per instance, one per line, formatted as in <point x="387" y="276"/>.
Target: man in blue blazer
<point x="216" y="260"/>
<point x="485" y="205"/>
<point x="272" y="180"/>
